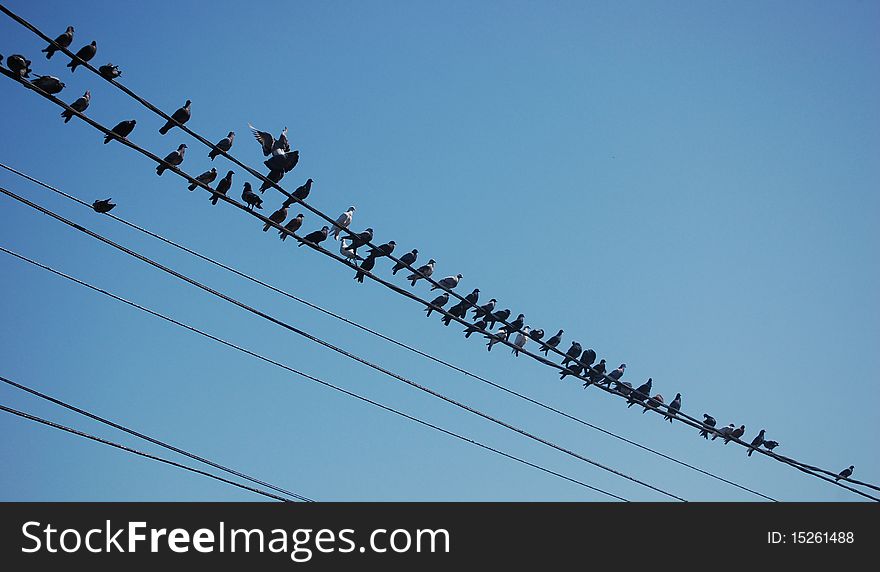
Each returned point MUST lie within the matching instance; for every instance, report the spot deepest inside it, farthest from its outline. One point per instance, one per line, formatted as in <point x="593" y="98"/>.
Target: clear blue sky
<point x="687" y="187"/>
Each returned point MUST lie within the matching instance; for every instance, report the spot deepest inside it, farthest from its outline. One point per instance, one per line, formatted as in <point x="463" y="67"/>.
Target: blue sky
<point x="687" y="187"/>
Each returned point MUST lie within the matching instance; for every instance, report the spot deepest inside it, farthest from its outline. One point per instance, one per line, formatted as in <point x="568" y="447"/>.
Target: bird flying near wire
<point x="269" y="143"/>
<point x="64" y="40"/>
<point x="180" y="116"/>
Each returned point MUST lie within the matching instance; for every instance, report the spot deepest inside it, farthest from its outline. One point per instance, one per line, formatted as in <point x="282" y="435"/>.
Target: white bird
<point x="346" y="251"/>
<point x="449" y="282"/>
<point x="520" y="341"/>
<point x="342" y="222"/>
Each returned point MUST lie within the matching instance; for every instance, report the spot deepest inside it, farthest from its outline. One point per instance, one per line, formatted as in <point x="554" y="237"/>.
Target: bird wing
<point x="264" y="139"/>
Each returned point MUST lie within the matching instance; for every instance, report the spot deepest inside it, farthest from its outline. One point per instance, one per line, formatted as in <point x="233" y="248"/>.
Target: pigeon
<point x="494" y="317"/>
<point x="48" y="83"/>
<point x="485" y="309"/>
<point x="302" y="191"/>
<point x="588" y="357"/>
<point x="282" y="161"/>
<point x="520" y="340"/>
<point x="103" y="206"/>
<point x="724" y="432"/>
<point x="573" y="368"/>
<point x="438" y="302"/>
<point x="845" y="474"/>
<point x="735" y="434"/>
<point x="756" y="442"/>
<point x="536" y="335"/>
<point x="222" y="187"/>
<point x="625" y="388"/>
<point x="596" y="373"/>
<point x="480" y="325"/>
<point x="268" y="143"/>
<point x="272" y="177"/>
<point x="457" y="311"/>
<point x="653" y="403"/>
<point x="552" y="342"/>
<point x="407" y="259"/>
<point x="614" y="375"/>
<point x="641" y="393"/>
<point x="251" y="198"/>
<point x="383" y="249"/>
<point x="207" y="177"/>
<point x="224" y="145"/>
<point x="471" y="299"/>
<point x="366" y="266"/>
<point x="347" y="252"/>
<point x="448" y="283"/>
<point x="423" y="272"/>
<point x="19" y="65"/>
<point x="64" y="40"/>
<point x="277" y="217"/>
<point x="770" y="445"/>
<point x="109" y="71"/>
<point x="674" y="408"/>
<point x="342" y="222"/>
<point x="85" y="54"/>
<point x="708" y="421"/>
<point x="121" y="130"/>
<point x="292" y="226"/>
<point x="360" y="239"/>
<point x="316" y="237"/>
<point x="493" y="339"/>
<point x="512" y="327"/>
<point x="79" y="105"/>
<point x="180" y="116"/>
<point x="573" y="353"/>
<point x="174" y="158"/>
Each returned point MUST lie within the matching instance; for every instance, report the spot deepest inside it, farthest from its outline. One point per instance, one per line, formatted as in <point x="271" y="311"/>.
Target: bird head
<point x="432" y="261"/>
<point x="247" y="186"/>
<point x="182" y="146"/>
<point x="309" y="183"/>
<point x="351" y="209"/>
<point x="70" y="29"/>
<point x="622" y="366"/>
<point x="87" y="95"/>
<point x="299" y="216"/>
<point x="231" y="134"/>
<point x="230" y="173"/>
<point x="458" y="276"/>
<point x="94" y="43"/>
<point x="187" y="104"/>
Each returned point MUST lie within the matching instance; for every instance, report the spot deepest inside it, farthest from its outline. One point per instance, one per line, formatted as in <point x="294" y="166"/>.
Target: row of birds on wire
<point x="577" y="362"/>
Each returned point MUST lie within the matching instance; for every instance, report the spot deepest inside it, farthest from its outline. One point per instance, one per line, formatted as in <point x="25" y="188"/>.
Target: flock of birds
<point x="577" y="362"/>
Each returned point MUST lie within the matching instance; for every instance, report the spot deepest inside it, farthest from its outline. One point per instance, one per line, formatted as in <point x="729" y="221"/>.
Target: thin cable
<point x="383" y="336"/>
<point x="109" y="423"/>
<point x="300" y="373"/>
<point x="335" y="348"/>
<point x="140" y="453"/>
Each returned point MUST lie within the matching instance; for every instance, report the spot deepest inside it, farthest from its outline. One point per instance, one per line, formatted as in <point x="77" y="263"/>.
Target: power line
<point x="140" y="453"/>
<point x="383" y="336"/>
<point x="109" y="423"/>
<point x="679" y="415"/>
<point x="285" y="367"/>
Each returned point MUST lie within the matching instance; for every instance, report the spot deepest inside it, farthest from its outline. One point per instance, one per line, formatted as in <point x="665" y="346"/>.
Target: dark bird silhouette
<point x="480" y="325"/>
<point x="222" y="187"/>
<point x="64" y="40"/>
<point x="79" y="105"/>
<point x="109" y="71"/>
<point x="85" y="53"/>
<point x="552" y="342"/>
<point x="471" y="299"/>
<point x="383" y="249"/>
<point x="845" y="474"/>
<point x="315" y="238"/>
<point x="536" y="335"/>
<point x="457" y="311"/>
<point x="770" y="445"/>
<point x="573" y="368"/>
<point x="724" y="432"/>
<point x="19" y="65"/>
<point x="180" y="116"/>
<point x="407" y="259"/>
<point x="251" y="199"/>
<point x="653" y="403"/>
<point x="224" y="145"/>
<point x="640" y="394"/>
<point x="360" y="239"/>
<point x="367" y="265"/>
<point x="292" y="225"/>
<point x="273" y="177"/>
<point x="277" y="217"/>
<point x="422" y="272"/>
<point x="573" y="353"/>
<point x="624" y="387"/>
<point x="708" y="424"/>
<point x="485" y="309"/>
<point x="674" y="408"/>
<point x="448" y="283"/>
<point x="103" y="206"/>
<point x="494" y="317"/>
<point x="596" y="373"/>
<point x="174" y="158"/>
<point x="438" y="302"/>
<point x="614" y="375"/>
<point x="735" y="434"/>
<point x="514" y="326"/>
<point x="588" y="357"/>
<point x="48" y="83"/>
<point x="302" y="191"/>
<point x="269" y="143"/>
<point x="756" y="442"/>
<point x="207" y="177"/>
<point x="282" y="161"/>
<point x="120" y="131"/>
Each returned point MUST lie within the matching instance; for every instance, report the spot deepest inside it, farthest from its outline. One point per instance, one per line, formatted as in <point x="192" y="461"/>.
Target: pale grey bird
<point x="222" y="187"/>
<point x="85" y="54"/>
<point x="224" y="144"/>
<point x="449" y="282"/>
<point x="207" y="177"/>
<point x="422" y="272"/>
<point x="180" y="116"/>
<point x="342" y="222"/>
<point x="79" y="105"/>
<point x="346" y="251"/>
<point x="277" y="217"/>
<point x="251" y="198"/>
<point x="292" y="226"/>
<point x="64" y="40"/>
<point x="520" y="340"/>
<point x="174" y="158"/>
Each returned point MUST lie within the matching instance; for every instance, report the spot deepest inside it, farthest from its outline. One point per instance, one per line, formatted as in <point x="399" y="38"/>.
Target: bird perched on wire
<point x="407" y="259"/>
<point x="588" y="357"/>
<point x="573" y="353"/>
<point x="493" y="339"/>
<point x="85" y="53"/>
<point x="174" y="159"/>
<point x="366" y="266"/>
<point x="625" y="388"/>
<point x="180" y="116"/>
<point x="120" y="131"/>
<point x="360" y="239"/>
<point x="64" y="40"/>
<point x="19" y="65"/>
<point x="724" y="432"/>
<point x="103" y="205"/>
<point x="273" y="177"/>
<point x="756" y="442"/>
<point x="269" y="143"/>
<point x="479" y="325"/>
<point x="48" y="83"/>
<point x="845" y="474"/>
<point x="207" y="177"/>
<point x="224" y="145"/>
<point x="614" y="375"/>
<point x="708" y="425"/>
<point x="653" y="403"/>
<point x="673" y="408"/>
<point x="292" y="226"/>
<point x="596" y="373"/>
<point x="383" y="249"/>
<point x="423" y="272"/>
<point x="536" y="335"/>
<point x="770" y="445"/>
<point x="278" y="216"/>
<point x="302" y="191"/>
<point x="438" y="302"/>
<point x="79" y="105"/>
<point x="520" y="340"/>
<point x="494" y="317"/>
<point x="316" y="237"/>
<point x="457" y="311"/>
<point x="515" y="325"/>
<point x="448" y="283"/>
<point x="552" y="342"/>
<point x="250" y="198"/>
<point x="471" y="299"/>
<point x="574" y="368"/>
<point x="735" y="434"/>
<point x="342" y="222"/>
<point x="347" y="252"/>
<point x="484" y="310"/>
<point x="640" y="394"/>
<point x="109" y="71"/>
<point x="222" y="187"/>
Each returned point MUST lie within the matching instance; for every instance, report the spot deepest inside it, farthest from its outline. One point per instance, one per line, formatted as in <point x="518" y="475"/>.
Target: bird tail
<point x="49" y="51"/>
<point x="283" y="235"/>
<point x="66" y="114"/>
<point x="212" y="154"/>
<point x="395" y="270"/>
<point x="430" y="309"/>
<point x="214" y="200"/>
<point x="165" y="128"/>
<point x="266" y="228"/>
<point x="160" y="169"/>
<point x="264" y="186"/>
<point x="751" y="451"/>
<point x="72" y="65"/>
<point x="192" y="187"/>
<point x="107" y="139"/>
